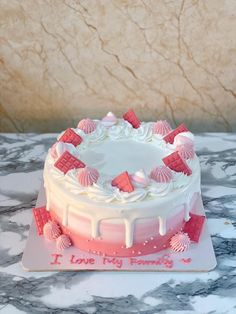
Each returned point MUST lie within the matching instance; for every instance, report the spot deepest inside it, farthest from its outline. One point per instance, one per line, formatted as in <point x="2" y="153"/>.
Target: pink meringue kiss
<point x="180" y="242"/>
<point x="87" y="125"/>
<point x="87" y="176"/>
<point x="139" y="178"/>
<point x="186" y="151"/>
<point x="161" y="174"/>
<point x="59" y="148"/>
<point x="109" y="120"/>
<point x="184" y="138"/>
<point x="63" y="242"/>
<point x="51" y="230"/>
<point x="161" y="127"/>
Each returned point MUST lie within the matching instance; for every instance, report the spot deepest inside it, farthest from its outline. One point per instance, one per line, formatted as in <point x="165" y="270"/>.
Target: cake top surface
<point x="123" y="160"/>
<point x="112" y="158"/>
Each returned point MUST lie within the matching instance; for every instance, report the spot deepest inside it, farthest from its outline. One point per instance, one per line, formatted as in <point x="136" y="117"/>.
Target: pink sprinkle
<point x="186" y="260"/>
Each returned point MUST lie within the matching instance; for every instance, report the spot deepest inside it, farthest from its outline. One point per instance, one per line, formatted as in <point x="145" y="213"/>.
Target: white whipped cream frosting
<point x="103" y="190"/>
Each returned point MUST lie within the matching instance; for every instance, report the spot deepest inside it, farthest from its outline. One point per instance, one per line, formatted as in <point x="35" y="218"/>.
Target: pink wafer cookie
<point x="194" y="226"/>
<point x="169" y="138"/>
<point x="41" y="217"/>
<point x="131" y="117"/>
<point x="67" y="162"/>
<point x="123" y="182"/>
<point x="176" y="163"/>
<point x="70" y="136"/>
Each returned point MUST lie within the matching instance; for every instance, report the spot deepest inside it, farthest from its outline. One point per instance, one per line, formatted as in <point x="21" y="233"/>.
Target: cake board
<point x="42" y="255"/>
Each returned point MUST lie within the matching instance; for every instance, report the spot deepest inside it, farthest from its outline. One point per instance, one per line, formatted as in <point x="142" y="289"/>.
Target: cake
<point x="121" y="187"/>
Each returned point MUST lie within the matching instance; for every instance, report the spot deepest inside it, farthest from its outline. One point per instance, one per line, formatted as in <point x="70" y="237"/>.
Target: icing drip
<point x="187" y="207"/>
<point x="65" y="216"/>
<point x="186" y="213"/>
<point x="129" y="232"/>
<point x="162" y="226"/>
<point x="94" y="227"/>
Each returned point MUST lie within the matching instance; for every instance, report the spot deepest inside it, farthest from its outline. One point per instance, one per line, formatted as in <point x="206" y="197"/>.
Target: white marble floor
<point x="21" y="163"/>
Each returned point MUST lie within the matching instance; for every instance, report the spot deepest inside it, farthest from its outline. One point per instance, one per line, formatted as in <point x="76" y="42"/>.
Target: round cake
<point x="121" y="187"/>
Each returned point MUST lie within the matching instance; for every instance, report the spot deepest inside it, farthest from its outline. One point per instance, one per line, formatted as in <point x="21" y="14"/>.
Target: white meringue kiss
<point x="139" y="178"/>
<point x="109" y="120"/>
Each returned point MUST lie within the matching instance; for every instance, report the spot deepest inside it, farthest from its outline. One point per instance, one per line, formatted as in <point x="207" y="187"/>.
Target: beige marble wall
<point x="64" y="60"/>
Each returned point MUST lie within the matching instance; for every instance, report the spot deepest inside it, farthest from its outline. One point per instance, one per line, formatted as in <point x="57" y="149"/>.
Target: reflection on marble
<point x="21" y="165"/>
<point x="63" y="60"/>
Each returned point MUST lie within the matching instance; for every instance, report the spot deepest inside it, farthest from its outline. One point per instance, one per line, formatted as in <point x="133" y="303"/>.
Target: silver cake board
<point x="42" y="255"/>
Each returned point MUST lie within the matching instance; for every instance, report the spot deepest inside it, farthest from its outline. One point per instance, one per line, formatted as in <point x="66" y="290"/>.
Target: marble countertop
<point x="21" y="163"/>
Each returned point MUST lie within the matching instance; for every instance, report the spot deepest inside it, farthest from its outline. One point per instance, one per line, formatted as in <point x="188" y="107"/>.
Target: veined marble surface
<point x="21" y="164"/>
<point x="61" y="60"/>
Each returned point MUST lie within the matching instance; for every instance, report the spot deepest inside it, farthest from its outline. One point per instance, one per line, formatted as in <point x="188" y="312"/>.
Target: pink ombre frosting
<point x="186" y="151"/>
<point x="87" y="176"/>
<point x="109" y="120"/>
<point x="59" y="148"/>
<point x="51" y="230"/>
<point x="139" y="178"/>
<point x="180" y="242"/>
<point x="161" y="174"/>
<point x="63" y="242"/>
<point x="147" y="238"/>
<point x="87" y="125"/>
<point x="161" y="127"/>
